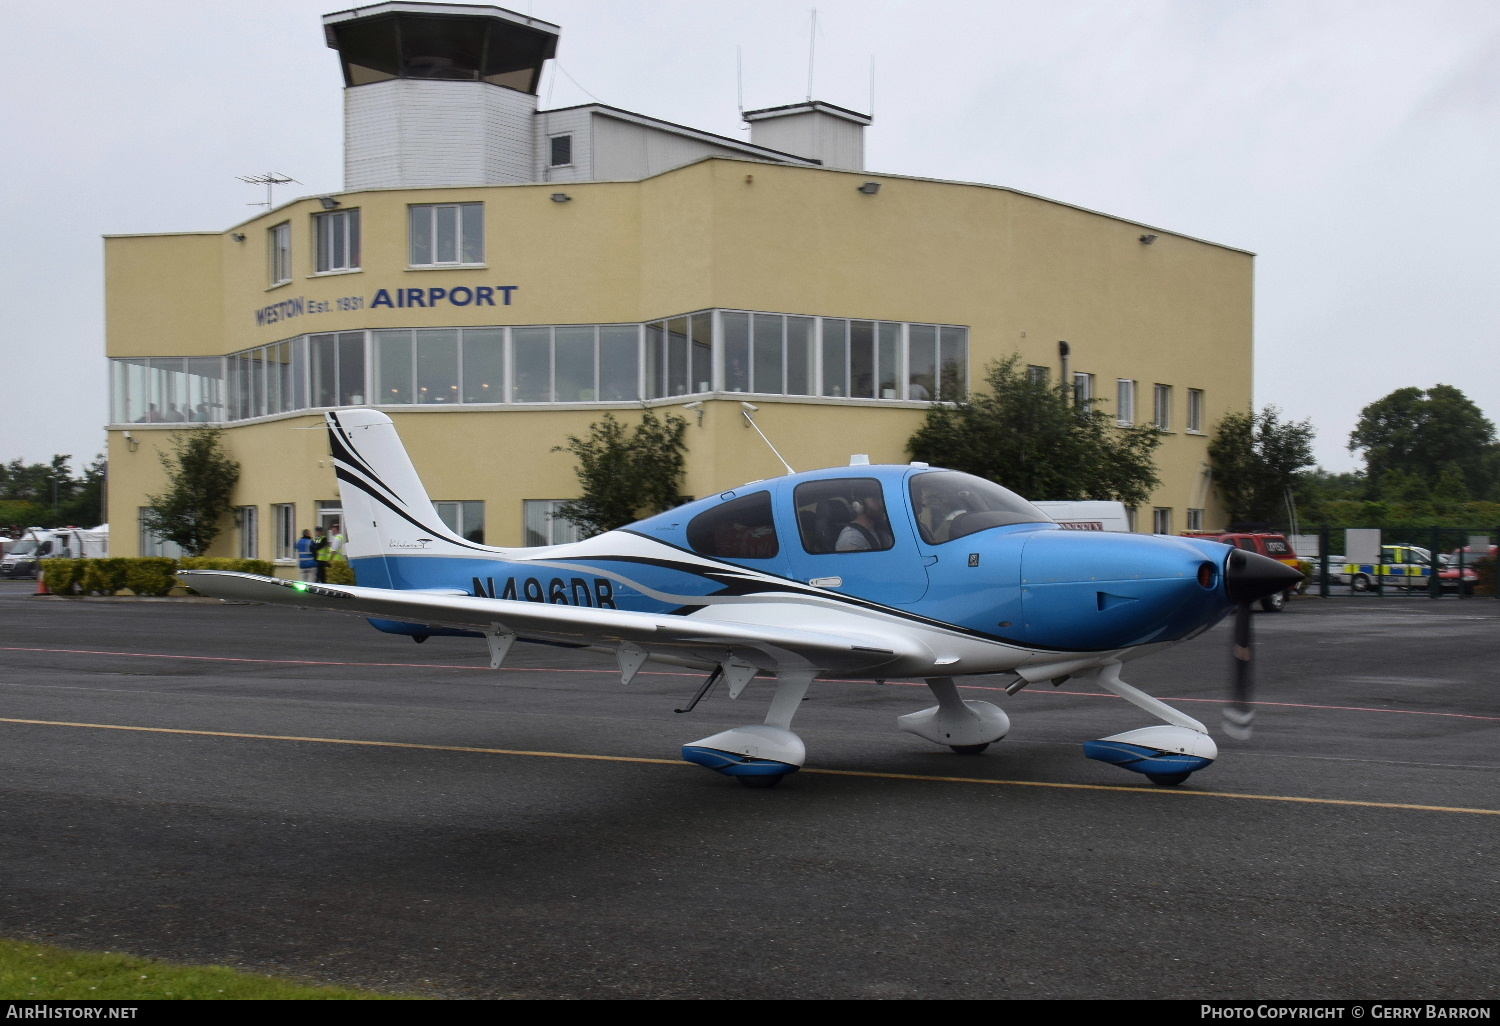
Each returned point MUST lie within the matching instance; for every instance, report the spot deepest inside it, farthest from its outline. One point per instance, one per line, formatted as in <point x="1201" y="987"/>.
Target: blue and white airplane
<point x="860" y="571"/>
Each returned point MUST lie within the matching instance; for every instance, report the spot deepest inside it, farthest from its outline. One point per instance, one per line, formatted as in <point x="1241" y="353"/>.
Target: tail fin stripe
<point x="349" y="476"/>
<point x="344" y="450"/>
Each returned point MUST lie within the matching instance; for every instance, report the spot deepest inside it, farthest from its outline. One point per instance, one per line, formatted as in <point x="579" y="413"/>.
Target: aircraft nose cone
<point x="1249" y="576"/>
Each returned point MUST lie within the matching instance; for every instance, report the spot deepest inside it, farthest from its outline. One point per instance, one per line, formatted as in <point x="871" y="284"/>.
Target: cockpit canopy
<point x="948" y="505"/>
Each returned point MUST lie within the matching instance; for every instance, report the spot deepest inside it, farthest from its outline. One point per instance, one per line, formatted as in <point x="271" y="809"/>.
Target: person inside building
<point x="307" y="566"/>
<point x="870" y="529"/>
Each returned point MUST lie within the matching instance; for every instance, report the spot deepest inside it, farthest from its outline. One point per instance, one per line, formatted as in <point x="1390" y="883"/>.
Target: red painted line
<point x="674" y="673"/>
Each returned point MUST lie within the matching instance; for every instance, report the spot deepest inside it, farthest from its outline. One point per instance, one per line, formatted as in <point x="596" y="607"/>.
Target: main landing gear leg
<point x="759" y="755"/>
<point x="1166" y="755"/>
<point x="966" y="727"/>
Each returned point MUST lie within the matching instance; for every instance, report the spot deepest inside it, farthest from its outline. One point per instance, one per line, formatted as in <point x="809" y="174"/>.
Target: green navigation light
<point x="300" y="586"/>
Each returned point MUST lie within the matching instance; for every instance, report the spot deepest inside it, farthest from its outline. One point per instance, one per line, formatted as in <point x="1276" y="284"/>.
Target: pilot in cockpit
<point x="870" y="529"/>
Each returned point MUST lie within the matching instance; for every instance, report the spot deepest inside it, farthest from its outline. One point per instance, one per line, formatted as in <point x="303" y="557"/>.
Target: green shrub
<point x="340" y="572"/>
<point x="61" y="574"/>
<point x="104" y="576"/>
<point x="151" y="575"/>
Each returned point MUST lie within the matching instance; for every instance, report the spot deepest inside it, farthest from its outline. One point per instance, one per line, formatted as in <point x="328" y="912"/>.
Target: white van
<point x="1087" y="515"/>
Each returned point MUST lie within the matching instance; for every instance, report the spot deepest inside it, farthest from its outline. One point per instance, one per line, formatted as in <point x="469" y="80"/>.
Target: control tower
<point x="439" y="94"/>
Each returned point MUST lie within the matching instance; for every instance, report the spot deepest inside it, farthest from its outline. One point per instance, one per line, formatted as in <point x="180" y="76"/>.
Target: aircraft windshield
<point x="950" y="505"/>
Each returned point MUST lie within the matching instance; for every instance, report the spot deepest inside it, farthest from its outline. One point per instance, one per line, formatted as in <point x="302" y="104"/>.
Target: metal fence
<point x="1446" y="571"/>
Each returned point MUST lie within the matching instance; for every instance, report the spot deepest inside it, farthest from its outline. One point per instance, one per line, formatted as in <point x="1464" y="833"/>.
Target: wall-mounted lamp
<point x="560" y="197"/>
<point x="696" y="407"/>
<point x="238" y="236"/>
<point x="870" y="188"/>
<point x="328" y="202"/>
<point x="1147" y="239"/>
<point x="130" y="441"/>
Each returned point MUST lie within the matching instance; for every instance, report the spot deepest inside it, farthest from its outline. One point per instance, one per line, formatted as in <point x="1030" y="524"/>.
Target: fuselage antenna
<point x="748" y="409"/>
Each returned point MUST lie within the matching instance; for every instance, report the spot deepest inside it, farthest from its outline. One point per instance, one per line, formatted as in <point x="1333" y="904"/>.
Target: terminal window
<point x="280" y="238"/>
<point x="562" y="151"/>
<point x="247" y="519"/>
<point x="1161" y="520"/>
<point x="1195" y="520"/>
<point x="544" y="525"/>
<point x="1163" y="411"/>
<point x="1195" y="410"/>
<point x="465" y="519"/>
<point x="1038" y="375"/>
<point x="1125" y="402"/>
<point x="1083" y="388"/>
<point x="446" y="234"/>
<point x="286" y="530"/>
<point x="338" y="240"/>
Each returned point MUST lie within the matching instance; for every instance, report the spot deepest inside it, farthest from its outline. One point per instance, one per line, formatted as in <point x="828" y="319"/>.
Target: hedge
<point x="147" y="575"/>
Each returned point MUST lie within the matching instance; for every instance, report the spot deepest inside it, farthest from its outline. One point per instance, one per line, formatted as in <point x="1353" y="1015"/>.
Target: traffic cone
<point x="41" y="583"/>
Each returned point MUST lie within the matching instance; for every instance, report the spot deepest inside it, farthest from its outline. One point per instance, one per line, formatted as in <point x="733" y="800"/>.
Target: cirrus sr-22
<point x="865" y="571"/>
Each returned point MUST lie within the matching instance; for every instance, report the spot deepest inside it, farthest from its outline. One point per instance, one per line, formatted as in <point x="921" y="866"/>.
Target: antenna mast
<point x="812" y="47"/>
<point x="270" y="180"/>
<point x="739" y="79"/>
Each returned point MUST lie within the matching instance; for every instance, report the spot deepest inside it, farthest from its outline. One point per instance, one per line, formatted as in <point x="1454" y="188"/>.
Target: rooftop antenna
<point x="812" y="47"/>
<point x="270" y="180"/>
<point x="739" y="78"/>
<point x="872" y="85"/>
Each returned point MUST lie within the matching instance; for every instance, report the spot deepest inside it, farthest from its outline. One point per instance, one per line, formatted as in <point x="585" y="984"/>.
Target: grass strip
<point x="41" y="972"/>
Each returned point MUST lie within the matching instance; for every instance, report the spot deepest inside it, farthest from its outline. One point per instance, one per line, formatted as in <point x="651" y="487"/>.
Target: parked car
<point x="1267" y="544"/>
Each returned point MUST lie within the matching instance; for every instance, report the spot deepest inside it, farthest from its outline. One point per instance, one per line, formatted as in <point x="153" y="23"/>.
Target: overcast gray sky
<point x="1352" y="145"/>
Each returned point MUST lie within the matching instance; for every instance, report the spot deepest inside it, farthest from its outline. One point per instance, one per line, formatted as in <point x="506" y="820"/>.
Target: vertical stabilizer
<point x="386" y="508"/>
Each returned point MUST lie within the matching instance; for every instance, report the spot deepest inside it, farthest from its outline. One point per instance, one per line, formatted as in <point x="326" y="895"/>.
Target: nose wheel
<point x="969" y="749"/>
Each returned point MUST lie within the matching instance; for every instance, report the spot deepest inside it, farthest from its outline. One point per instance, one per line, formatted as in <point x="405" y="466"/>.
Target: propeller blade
<point x="1239" y="714"/>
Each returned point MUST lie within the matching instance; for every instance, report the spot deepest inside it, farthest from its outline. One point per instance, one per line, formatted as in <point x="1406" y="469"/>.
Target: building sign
<point x="428" y="298"/>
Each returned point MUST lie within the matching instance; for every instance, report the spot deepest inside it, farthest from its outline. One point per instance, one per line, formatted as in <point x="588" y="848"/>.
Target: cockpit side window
<point x="950" y="505"/>
<point x="843" y="514"/>
<point x="741" y="528"/>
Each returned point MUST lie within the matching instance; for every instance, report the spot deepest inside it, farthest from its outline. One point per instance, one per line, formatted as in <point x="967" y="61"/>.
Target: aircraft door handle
<point x="929" y="560"/>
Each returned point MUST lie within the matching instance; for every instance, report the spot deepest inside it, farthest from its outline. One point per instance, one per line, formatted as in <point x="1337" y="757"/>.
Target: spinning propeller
<point x="1248" y="576"/>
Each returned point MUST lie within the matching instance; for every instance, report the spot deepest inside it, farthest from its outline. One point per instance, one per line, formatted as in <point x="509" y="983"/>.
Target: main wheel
<point x="1273" y="602"/>
<point x="969" y="749"/>
<point x="761" y="780"/>
<point x="1360" y="582"/>
<point x="1167" y="779"/>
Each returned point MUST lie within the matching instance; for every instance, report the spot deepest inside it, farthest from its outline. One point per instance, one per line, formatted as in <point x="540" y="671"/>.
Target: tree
<point x="626" y="474"/>
<point x="48" y="495"/>
<point x="1420" y="433"/>
<point x="1034" y="438"/>
<point x="201" y="476"/>
<point x="1256" y="459"/>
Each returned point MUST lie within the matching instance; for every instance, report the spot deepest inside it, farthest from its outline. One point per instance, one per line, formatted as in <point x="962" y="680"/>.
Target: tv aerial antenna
<point x="270" y="180"/>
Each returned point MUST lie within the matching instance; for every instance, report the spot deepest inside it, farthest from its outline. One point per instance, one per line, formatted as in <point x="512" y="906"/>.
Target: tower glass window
<point x="446" y="46"/>
<point x="280" y="238"/>
<point x="447" y="234"/>
<point x="338" y="240"/>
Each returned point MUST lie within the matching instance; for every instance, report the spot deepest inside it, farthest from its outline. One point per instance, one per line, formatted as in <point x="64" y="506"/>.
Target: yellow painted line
<point x="825" y="772"/>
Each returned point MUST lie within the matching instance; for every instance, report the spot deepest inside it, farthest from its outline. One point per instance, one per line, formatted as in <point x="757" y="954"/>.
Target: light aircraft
<point x="859" y="571"/>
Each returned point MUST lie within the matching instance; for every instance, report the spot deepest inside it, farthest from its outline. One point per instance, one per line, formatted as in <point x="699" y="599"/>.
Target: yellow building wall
<point x="1022" y="272"/>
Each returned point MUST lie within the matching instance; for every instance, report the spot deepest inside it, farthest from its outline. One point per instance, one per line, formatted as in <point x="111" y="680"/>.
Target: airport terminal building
<point x="496" y="277"/>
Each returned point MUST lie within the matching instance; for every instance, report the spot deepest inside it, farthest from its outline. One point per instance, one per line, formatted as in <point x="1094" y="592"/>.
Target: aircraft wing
<point x="716" y="640"/>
